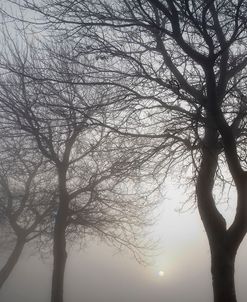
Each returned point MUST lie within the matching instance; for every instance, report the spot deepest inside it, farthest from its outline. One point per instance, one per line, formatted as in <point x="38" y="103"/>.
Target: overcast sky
<point x="97" y="275"/>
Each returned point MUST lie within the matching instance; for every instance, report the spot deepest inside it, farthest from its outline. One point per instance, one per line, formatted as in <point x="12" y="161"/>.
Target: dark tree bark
<point x="60" y="256"/>
<point x="59" y="246"/>
<point x="11" y="262"/>
<point x="222" y="268"/>
<point x="223" y="243"/>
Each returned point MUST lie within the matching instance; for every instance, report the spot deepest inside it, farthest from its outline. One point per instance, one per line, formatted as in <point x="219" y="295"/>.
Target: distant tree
<point x="96" y="172"/>
<point x="27" y="199"/>
<point x="176" y="70"/>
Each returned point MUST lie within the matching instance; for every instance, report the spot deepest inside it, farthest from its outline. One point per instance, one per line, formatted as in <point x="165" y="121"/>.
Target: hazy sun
<point x="161" y="273"/>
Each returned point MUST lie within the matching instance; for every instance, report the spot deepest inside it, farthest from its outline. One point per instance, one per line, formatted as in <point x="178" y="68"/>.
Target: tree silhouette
<point x="176" y="71"/>
<point x="27" y="198"/>
<point x="96" y="170"/>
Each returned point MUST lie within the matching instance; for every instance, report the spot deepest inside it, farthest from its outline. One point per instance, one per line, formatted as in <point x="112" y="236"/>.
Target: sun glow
<point x="161" y="274"/>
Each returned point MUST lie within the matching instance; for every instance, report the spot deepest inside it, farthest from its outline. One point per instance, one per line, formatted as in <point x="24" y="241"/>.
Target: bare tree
<point x="176" y="70"/>
<point x="27" y="198"/>
<point x="97" y="185"/>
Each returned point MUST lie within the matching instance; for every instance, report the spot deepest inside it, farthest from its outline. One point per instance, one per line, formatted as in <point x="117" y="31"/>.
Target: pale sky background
<point x="95" y="274"/>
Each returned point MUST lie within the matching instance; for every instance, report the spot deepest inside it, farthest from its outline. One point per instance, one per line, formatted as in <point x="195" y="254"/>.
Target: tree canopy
<point x="172" y="75"/>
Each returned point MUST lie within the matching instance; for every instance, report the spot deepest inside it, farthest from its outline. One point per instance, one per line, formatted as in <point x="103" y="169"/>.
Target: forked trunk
<point x="11" y="262"/>
<point x="223" y="250"/>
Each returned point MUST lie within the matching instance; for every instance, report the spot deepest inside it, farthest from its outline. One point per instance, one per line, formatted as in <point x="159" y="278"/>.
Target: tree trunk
<point x="60" y="257"/>
<point x="11" y="262"/>
<point x="222" y="268"/>
<point x="59" y="244"/>
<point x="223" y="248"/>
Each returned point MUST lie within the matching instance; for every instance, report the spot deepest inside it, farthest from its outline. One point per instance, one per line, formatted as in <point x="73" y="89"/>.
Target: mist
<point x="97" y="273"/>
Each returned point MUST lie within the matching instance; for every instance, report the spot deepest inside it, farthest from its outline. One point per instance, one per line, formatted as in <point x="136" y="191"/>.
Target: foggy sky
<point x="96" y="275"/>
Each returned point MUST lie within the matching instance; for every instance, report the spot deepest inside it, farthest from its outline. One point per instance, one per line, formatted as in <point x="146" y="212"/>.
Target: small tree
<point x="96" y="187"/>
<point x="182" y="66"/>
<point x="27" y="198"/>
